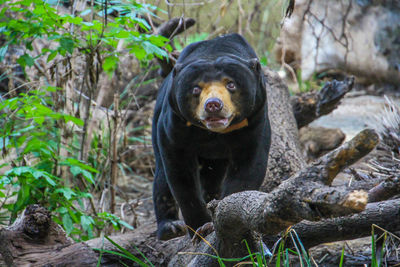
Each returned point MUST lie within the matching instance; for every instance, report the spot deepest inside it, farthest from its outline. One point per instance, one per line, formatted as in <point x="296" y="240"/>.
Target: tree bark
<point x="285" y="156"/>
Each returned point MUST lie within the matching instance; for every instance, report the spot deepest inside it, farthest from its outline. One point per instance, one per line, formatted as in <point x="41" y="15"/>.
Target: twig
<point x="114" y="160"/>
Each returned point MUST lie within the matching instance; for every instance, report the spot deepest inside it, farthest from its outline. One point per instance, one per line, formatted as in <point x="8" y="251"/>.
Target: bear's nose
<point x="213" y="105"/>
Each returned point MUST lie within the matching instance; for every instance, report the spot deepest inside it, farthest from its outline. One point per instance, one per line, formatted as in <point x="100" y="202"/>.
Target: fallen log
<point x="35" y="240"/>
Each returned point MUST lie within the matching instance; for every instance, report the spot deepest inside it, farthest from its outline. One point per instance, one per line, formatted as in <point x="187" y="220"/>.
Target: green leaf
<point x="67" y="192"/>
<point x="67" y="44"/>
<point x="22" y="198"/>
<point x="62" y="210"/>
<point x="139" y="52"/>
<point x="27" y="129"/>
<point x="88" y="176"/>
<point x="87" y="222"/>
<point x="28" y="45"/>
<point x="52" y="88"/>
<point x="75" y="170"/>
<point x="25" y="60"/>
<point x="39" y="120"/>
<point x="110" y="63"/>
<point x="73" y="162"/>
<point x="67" y="223"/>
<point x="75" y="120"/>
<point x="127" y="225"/>
<point x="75" y="20"/>
<point x="17" y="171"/>
<point x="52" y="55"/>
<point x="49" y="180"/>
<point x="37" y="174"/>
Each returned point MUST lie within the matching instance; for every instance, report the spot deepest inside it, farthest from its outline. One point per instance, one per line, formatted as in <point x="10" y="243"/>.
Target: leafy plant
<point x="29" y="130"/>
<point x="38" y="19"/>
<point x="36" y="126"/>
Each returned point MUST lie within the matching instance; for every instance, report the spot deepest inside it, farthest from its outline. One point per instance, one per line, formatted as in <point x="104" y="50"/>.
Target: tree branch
<point x="385" y="214"/>
<point x="170" y="29"/>
<point x="309" y="106"/>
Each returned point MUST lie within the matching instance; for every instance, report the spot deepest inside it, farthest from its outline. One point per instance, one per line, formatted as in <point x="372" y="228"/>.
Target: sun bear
<point x="211" y="133"/>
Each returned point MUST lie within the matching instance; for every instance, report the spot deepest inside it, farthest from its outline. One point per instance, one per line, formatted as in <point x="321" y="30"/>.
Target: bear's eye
<point x="196" y="90"/>
<point x="231" y="86"/>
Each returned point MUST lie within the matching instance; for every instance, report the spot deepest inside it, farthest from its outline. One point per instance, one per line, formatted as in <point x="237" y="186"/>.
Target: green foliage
<point x="39" y="19"/>
<point x="29" y="128"/>
<point x="32" y="122"/>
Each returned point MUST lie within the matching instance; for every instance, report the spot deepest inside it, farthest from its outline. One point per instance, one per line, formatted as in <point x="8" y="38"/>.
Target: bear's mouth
<point x="216" y="122"/>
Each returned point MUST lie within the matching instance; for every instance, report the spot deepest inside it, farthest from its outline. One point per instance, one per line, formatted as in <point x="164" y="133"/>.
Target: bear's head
<point x="219" y="93"/>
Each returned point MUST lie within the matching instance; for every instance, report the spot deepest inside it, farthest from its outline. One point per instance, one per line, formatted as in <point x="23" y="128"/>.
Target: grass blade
<point x="373" y="244"/>
<point x="341" y="258"/>
<point x="125" y="253"/>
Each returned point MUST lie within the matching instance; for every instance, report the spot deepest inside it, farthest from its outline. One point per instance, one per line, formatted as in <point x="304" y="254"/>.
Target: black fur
<point x="195" y="165"/>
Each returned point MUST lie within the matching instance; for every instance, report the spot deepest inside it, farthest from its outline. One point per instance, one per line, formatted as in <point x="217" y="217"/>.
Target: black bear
<point x="211" y="133"/>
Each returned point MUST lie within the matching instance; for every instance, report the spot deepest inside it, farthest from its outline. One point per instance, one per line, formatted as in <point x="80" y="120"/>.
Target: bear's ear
<point x="177" y="69"/>
<point x="255" y="64"/>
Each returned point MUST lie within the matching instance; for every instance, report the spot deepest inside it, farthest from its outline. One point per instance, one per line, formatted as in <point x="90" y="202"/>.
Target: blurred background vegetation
<point x="259" y="21"/>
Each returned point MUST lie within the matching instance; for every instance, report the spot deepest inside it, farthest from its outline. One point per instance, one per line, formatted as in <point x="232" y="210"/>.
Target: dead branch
<point x="170" y="29"/>
<point x="114" y="153"/>
<point x="310" y="106"/>
<point x="384" y="190"/>
<point x="385" y="214"/>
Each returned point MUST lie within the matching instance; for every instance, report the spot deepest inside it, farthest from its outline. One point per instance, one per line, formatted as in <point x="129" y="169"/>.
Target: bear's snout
<point x="213" y="105"/>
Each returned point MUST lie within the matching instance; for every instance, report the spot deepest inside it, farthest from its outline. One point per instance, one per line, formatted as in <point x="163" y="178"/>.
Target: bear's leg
<point x="247" y="170"/>
<point x="182" y="174"/>
<point x="168" y="224"/>
<point x="212" y="173"/>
